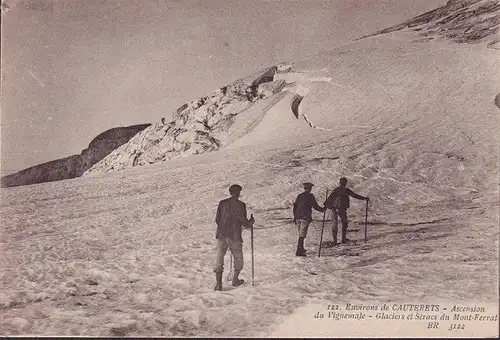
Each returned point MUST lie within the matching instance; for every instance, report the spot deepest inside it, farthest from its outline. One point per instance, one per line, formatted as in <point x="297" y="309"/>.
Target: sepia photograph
<point x="250" y="168"/>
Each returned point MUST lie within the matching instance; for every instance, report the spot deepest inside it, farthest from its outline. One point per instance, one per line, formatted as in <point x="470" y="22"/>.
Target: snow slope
<point x="412" y="124"/>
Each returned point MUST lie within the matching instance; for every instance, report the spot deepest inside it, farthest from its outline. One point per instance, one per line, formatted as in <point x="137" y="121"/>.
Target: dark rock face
<point x="103" y="144"/>
<point x="76" y="165"/>
<point x="461" y="21"/>
<point x="56" y="170"/>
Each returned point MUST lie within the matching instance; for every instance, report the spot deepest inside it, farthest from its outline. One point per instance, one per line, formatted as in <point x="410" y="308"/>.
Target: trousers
<point x="302" y="227"/>
<point x="342" y="213"/>
<point x="236" y="248"/>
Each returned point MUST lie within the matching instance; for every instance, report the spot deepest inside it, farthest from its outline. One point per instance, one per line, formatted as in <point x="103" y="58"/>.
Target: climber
<point x="231" y="217"/>
<point x="302" y="215"/>
<point x="338" y="202"/>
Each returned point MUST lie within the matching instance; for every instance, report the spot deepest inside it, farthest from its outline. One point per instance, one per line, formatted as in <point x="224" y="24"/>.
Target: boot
<point x="236" y="280"/>
<point x="300" y="248"/>
<point x="218" y="279"/>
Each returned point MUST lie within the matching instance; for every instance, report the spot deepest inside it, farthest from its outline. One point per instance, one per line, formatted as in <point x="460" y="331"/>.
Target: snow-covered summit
<point x="245" y="106"/>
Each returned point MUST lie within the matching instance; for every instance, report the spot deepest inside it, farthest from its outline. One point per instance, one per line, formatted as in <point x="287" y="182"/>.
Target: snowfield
<point x="413" y="125"/>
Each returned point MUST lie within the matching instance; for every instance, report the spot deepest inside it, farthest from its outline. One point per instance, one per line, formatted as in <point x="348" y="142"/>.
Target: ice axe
<point x="230" y="274"/>
<point x="322" y="227"/>
<point x="251" y="242"/>
<point x="366" y="221"/>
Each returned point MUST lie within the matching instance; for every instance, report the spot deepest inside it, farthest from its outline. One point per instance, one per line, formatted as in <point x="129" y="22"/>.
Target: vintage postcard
<point x="258" y="168"/>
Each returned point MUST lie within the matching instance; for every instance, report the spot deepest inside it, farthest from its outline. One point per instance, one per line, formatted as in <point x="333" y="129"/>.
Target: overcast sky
<point x="72" y="69"/>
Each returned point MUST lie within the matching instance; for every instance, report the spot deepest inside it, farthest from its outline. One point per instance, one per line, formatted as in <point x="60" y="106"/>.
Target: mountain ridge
<point x="75" y="165"/>
<point x="461" y="21"/>
<point x="452" y="22"/>
<point x="230" y="112"/>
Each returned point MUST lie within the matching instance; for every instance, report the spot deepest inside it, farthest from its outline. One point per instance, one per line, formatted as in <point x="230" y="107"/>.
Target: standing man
<point x="302" y="215"/>
<point x="338" y="202"/>
<point x="231" y="217"/>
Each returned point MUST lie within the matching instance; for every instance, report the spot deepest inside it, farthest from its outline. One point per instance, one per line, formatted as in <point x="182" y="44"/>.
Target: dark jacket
<point x="343" y="194"/>
<point x="231" y="216"/>
<point x="302" y="208"/>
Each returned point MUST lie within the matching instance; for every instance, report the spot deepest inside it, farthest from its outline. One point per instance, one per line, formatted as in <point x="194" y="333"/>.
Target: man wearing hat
<point x="302" y="215"/>
<point x="338" y="202"/>
<point x="231" y="217"/>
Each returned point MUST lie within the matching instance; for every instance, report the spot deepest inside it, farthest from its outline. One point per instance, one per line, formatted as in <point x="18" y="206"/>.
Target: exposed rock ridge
<point x="198" y="126"/>
<point x="461" y="21"/>
<point x="76" y="165"/>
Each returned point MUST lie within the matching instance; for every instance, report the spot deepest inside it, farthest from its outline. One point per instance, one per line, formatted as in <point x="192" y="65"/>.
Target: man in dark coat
<point x="302" y="215"/>
<point x="231" y="217"/>
<point x="338" y="202"/>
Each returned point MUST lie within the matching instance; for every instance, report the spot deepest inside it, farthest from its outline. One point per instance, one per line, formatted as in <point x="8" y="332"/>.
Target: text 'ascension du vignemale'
<point x="431" y="316"/>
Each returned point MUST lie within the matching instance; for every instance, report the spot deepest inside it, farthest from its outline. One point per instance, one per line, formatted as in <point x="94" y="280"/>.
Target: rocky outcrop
<point x="199" y="126"/>
<point x="106" y="142"/>
<point x="56" y="170"/>
<point x="462" y="21"/>
<point x="76" y="165"/>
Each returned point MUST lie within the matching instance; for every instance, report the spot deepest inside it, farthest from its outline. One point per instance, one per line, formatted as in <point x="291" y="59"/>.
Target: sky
<point x="73" y="69"/>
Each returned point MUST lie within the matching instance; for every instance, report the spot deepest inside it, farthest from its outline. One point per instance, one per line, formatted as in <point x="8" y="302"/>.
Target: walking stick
<point x="251" y="237"/>
<point x="230" y="274"/>
<point x="322" y="228"/>
<point x="366" y="220"/>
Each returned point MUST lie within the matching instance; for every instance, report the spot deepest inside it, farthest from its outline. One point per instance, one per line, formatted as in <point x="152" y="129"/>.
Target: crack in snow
<point x="311" y="124"/>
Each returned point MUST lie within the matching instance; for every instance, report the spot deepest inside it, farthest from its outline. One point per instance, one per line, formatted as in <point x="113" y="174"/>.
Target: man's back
<point x="342" y="194"/>
<point x="231" y="215"/>
<point x="303" y="206"/>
